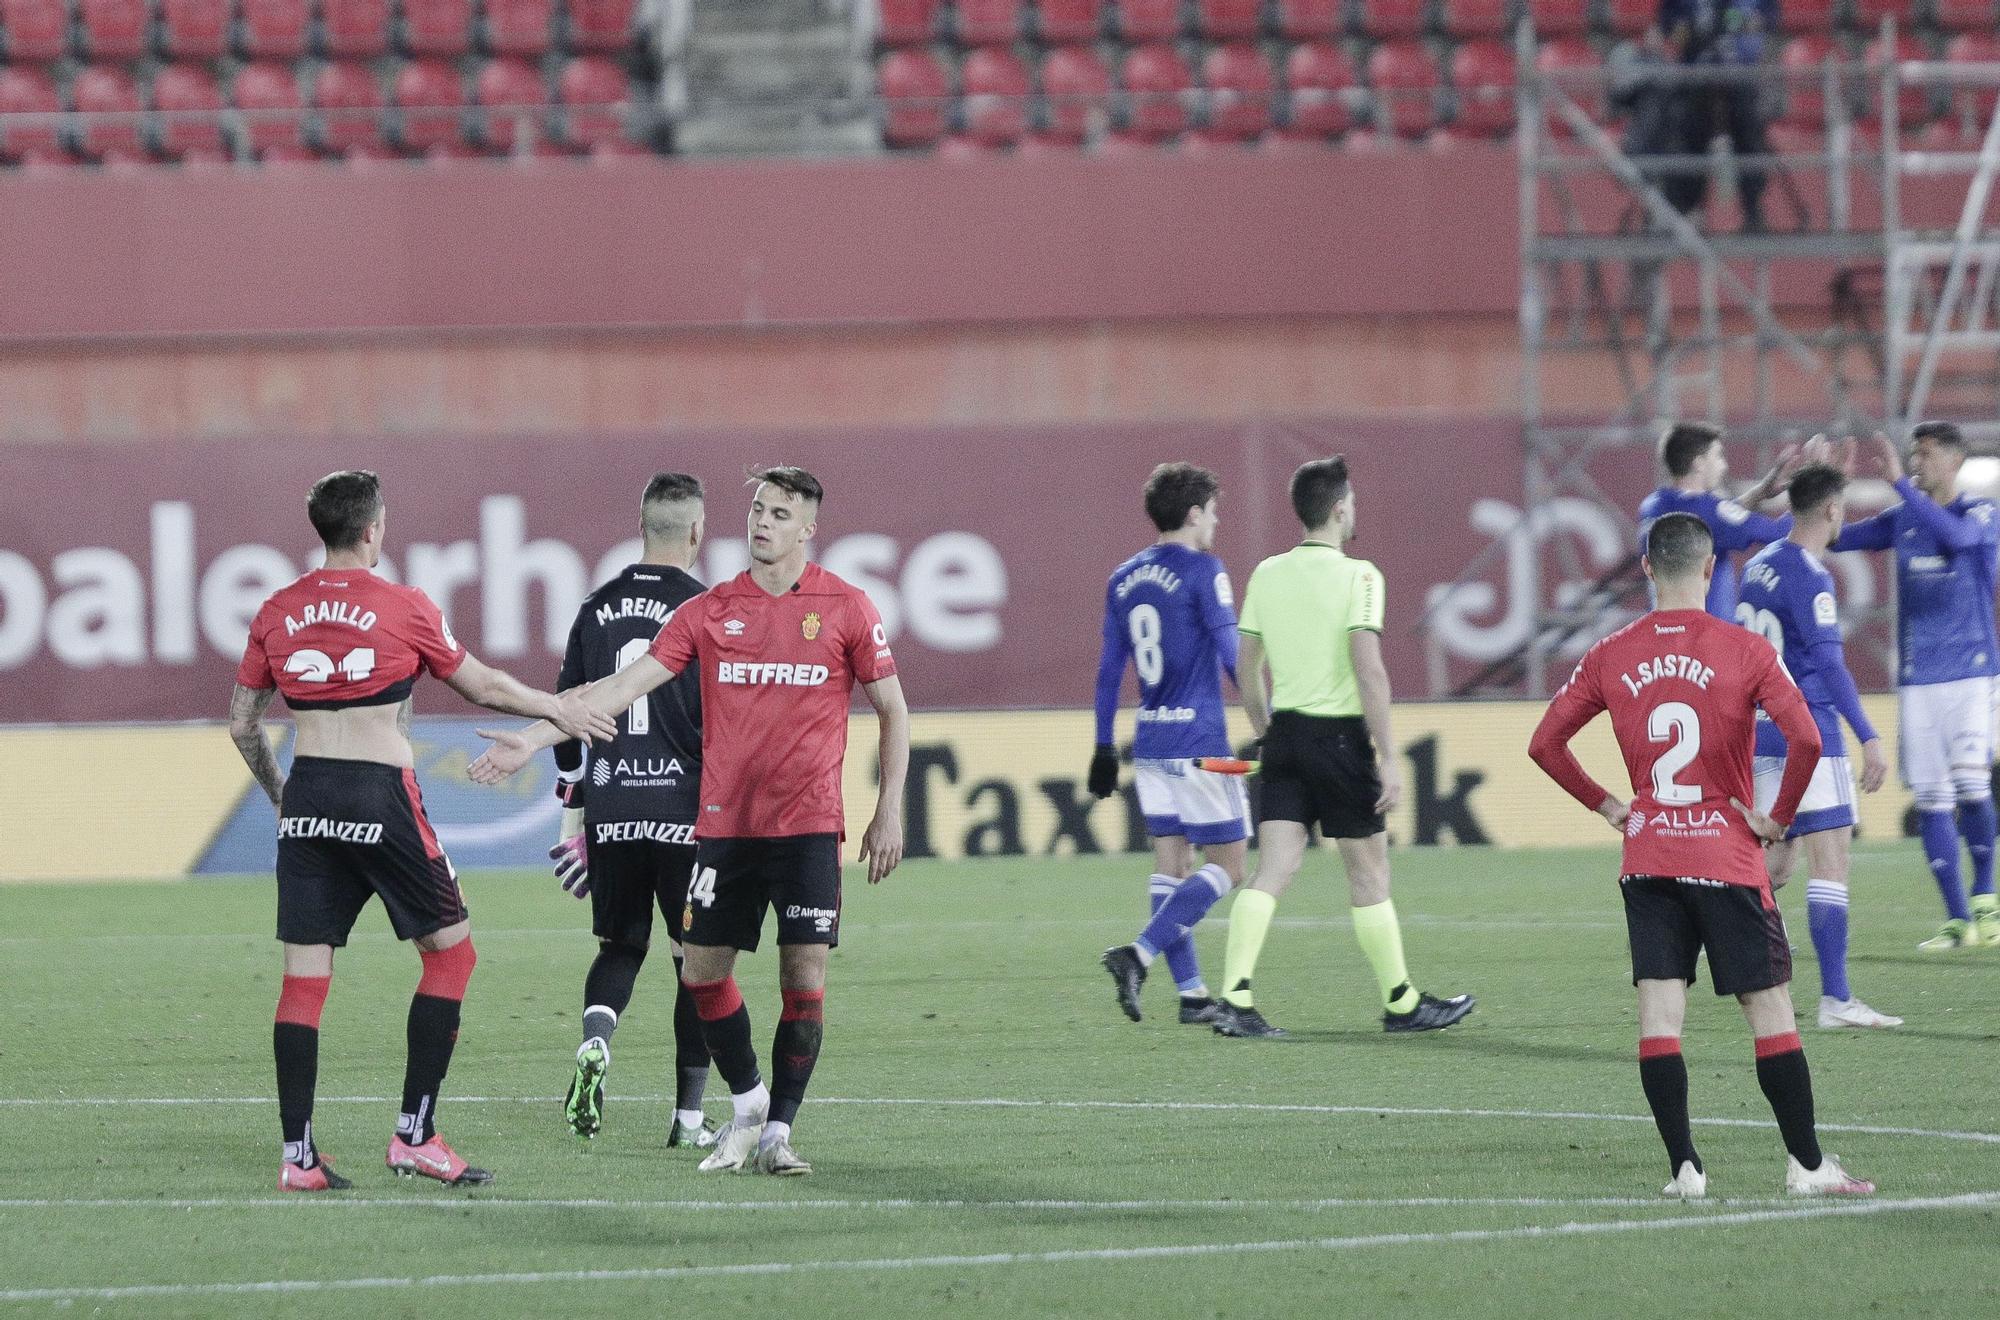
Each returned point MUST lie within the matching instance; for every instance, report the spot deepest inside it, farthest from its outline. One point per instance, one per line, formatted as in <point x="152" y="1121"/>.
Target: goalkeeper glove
<point x="1103" y="781"/>
<point x="571" y="856"/>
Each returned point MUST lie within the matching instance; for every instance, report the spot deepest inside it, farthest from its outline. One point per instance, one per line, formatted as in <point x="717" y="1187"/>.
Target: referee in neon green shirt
<point x="1315" y="616"/>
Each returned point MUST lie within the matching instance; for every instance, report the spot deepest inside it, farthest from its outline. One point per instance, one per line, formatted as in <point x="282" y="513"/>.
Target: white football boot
<point x="1690" y="1184"/>
<point x="1834" y="1013"/>
<point x="1829" y="1179"/>
<point x="781" y="1160"/>
<point x="735" y="1146"/>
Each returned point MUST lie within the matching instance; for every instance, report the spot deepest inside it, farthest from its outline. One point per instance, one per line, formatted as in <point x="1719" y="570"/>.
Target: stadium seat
<point x="112" y="31"/>
<point x="1573" y="54"/>
<point x="1309" y="20"/>
<point x="187" y="106"/>
<point x="1149" y="20"/>
<point x="274" y="29"/>
<point x="1226" y="19"/>
<point x="1321" y="80"/>
<point x="35" y="31"/>
<point x="1475" y="18"/>
<point x="354" y="29"/>
<point x="1404" y="77"/>
<point x="598" y="24"/>
<point x="996" y="88"/>
<point x="512" y="97"/>
<point x="437" y="27"/>
<point x="988" y="22"/>
<point x="915" y="97"/>
<point x="520" y="27"/>
<point x="430" y="102"/>
<point x="1559" y="18"/>
<point x="1061" y="21"/>
<point x="1154" y="80"/>
<point x="349" y="106"/>
<point x="1482" y="74"/>
<point x="1238" y="79"/>
<point x="268" y="96"/>
<point x="1814" y="17"/>
<point x="194" y="29"/>
<point x="594" y="94"/>
<point x="1628" y="18"/>
<point x="1805" y="95"/>
<point x="1965" y="15"/>
<point x="1868" y="14"/>
<point x="1913" y="107"/>
<point x="1076" y="89"/>
<point x="26" y="90"/>
<point x="1967" y="100"/>
<point x="906" y="22"/>
<point x="1393" y="18"/>
<point x="98" y="91"/>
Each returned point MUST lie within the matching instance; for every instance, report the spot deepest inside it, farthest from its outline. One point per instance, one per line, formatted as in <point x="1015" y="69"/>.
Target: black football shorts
<point x="1670" y="919"/>
<point x="1320" y="770"/>
<point x="349" y="829"/>
<point x="627" y="878"/>
<point x="736" y="879"/>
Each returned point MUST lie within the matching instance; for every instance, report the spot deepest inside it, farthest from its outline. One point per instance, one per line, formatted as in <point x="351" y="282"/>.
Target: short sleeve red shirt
<point x="346" y="637"/>
<point x="777" y="673"/>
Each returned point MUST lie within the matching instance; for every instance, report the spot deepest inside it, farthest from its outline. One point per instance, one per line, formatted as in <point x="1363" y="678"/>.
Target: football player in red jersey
<point x="1683" y="689"/>
<point x="345" y="647"/>
<point x="780" y="648"/>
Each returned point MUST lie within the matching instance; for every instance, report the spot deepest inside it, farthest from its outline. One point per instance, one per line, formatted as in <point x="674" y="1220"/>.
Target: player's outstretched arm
<point x="496" y="689"/>
<point x="1372" y="676"/>
<point x="1250" y="684"/>
<point x="882" y="841"/>
<point x="513" y="748"/>
<point x="246" y="729"/>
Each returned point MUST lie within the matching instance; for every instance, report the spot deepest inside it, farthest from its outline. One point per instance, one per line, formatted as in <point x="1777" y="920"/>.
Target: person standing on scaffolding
<point x="1726" y="34"/>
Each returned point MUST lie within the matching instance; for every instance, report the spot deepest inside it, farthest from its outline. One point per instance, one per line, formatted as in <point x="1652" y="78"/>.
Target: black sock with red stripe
<point x="295" y="1044"/>
<point x="1787" y="1083"/>
<point x="432" y="1035"/>
<point x="794" y="1051"/>
<point x="1664" y="1075"/>
<point x="725" y="1029"/>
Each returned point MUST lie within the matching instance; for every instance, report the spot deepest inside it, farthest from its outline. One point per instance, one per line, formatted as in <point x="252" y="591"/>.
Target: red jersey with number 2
<point x="1683" y="689"/>
<point x="776" y="674"/>
<point x="345" y="637"/>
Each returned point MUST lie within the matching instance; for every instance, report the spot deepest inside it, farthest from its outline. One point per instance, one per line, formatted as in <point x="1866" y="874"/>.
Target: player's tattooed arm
<point x="246" y="730"/>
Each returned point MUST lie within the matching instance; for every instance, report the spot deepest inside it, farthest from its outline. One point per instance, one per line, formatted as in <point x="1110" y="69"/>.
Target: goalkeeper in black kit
<point x="627" y="839"/>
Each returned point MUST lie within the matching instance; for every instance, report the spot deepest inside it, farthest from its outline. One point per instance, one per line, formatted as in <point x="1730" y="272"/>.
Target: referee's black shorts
<point x="1320" y="770"/>
<point x="1671" y="919"/>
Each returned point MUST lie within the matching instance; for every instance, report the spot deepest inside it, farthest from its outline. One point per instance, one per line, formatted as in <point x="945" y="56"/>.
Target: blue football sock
<point x="1180" y="955"/>
<point x="1185" y="908"/>
<point x="1940" y="835"/>
<point x="1826" y="913"/>
<point x="1977" y="824"/>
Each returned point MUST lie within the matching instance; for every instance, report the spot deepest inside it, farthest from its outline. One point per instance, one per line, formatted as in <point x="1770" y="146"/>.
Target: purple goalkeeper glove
<point x="572" y="866"/>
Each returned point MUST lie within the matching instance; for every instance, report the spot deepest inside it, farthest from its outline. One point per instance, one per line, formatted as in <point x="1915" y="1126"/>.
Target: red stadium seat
<point x="36" y="31"/>
<point x="600" y="24"/>
<point x="1810" y="16"/>
<point x="1154" y="79"/>
<point x="353" y="29"/>
<point x="996" y="88"/>
<point x="915" y="96"/>
<point x="274" y="29"/>
<point x="1805" y="96"/>
<point x="512" y="96"/>
<point x="268" y="96"/>
<point x="906" y="22"/>
<point x="988" y="22"/>
<point x="595" y="94"/>
<point x="1061" y="21"/>
<point x="1309" y="20"/>
<point x="1238" y="79"/>
<point x="1475" y="18"/>
<point x="1482" y="73"/>
<point x="112" y="31"/>
<point x="430" y="99"/>
<point x="1913" y="100"/>
<point x="28" y="91"/>
<point x="1629" y="18"/>
<point x="1228" y="18"/>
<point x="1077" y="89"/>
<point x="1404" y="76"/>
<point x="1559" y="18"/>
<point x="1149" y="20"/>
<point x="1573" y="54"/>
<point x="194" y="29"/>
<point x="1392" y="18"/>
<point x="98" y="90"/>
<point x="437" y="27"/>
<point x="1965" y="15"/>
<point x="349" y="104"/>
<point x="1974" y="48"/>
<point x="188" y="111"/>
<point x="1322" y="81"/>
<point x="520" y="27"/>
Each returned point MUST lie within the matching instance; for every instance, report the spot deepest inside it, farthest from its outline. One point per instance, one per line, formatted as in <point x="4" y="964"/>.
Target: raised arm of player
<point x="498" y="690"/>
<point x="605" y="699"/>
<point x="1876" y="533"/>
<point x="246" y="729"/>
<point x="1576" y="705"/>
<point x="1781" y="700"/>
<point x="882" y="841"/>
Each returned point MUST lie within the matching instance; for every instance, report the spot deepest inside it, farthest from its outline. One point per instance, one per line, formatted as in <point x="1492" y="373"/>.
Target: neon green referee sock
<point x="1381" y="937"/>
<point x="1249" y="923"/>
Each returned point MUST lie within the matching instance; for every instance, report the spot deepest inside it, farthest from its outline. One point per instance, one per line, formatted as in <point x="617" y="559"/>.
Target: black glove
<point x="1103" y="781"/>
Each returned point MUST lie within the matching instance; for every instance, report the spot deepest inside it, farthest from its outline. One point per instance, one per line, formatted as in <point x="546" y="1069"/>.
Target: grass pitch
<point x="991" y="1137"/>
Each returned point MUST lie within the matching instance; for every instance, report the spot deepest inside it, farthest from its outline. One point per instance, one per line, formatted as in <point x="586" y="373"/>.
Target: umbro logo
<point x="733" y="628"/>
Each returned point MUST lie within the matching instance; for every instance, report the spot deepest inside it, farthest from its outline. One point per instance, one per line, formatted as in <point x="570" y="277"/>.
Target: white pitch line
<point x="881" y="1204"/>
<point x="1216" y="1106"/>
<point x="1970" y="1200"/>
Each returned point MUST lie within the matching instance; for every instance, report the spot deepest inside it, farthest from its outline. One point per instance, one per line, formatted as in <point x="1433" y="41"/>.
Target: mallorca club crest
<point x="810" y="625"/>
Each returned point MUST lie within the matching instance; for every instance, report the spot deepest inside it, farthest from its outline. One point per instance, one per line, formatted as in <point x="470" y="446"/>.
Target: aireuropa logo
<point x="821" y="918"/>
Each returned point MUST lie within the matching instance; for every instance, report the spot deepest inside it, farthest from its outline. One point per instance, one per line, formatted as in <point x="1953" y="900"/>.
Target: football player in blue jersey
<point x="1946" y="546"/>
<point x="1697" y="464"/>
<point x="1169" y="613"/>
<point x="1788" y="598"/>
